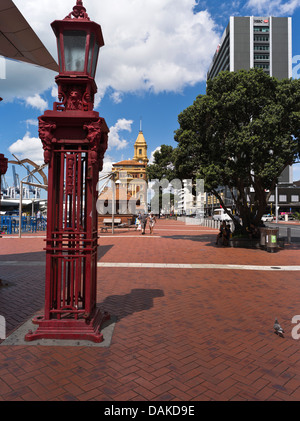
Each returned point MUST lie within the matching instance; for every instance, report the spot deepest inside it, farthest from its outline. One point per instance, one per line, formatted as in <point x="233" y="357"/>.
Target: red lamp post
<point x="74" y="140"/>
<point x="3" y="169"/>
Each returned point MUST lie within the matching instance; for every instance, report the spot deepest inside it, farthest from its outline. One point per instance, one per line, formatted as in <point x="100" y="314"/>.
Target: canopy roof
<point x="18" y="41"/>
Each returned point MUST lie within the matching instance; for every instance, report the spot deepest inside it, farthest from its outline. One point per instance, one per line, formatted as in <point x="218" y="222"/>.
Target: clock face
<point x="140" y="160"/>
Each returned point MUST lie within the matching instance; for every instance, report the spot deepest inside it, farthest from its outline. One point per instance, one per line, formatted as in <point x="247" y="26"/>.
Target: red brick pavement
<point x="181" y="334"/>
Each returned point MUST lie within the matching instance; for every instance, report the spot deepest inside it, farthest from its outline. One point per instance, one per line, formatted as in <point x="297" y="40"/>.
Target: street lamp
<point x="74" y="140"/>
<point x="78" y="43"/>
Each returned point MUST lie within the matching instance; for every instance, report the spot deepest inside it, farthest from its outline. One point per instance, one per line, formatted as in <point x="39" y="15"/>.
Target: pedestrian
<point x="143" y="220"/>
<point x="152" y="220"/>
<point x="226" y="235"/>
<point x="137" y="223"/>
<point x="220" y="235"/>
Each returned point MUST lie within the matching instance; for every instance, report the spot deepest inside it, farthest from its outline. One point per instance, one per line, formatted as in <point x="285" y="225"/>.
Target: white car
<point x="220" y="215"/>
<point x="267" y="218"/>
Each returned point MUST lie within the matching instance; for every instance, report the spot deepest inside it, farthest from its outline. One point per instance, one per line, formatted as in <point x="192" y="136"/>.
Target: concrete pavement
<point x="194" y="321"/>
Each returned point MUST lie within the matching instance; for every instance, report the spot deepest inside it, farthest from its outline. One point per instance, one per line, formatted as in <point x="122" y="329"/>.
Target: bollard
<point x="262" y="238"/>
<point x="289" y="235"/>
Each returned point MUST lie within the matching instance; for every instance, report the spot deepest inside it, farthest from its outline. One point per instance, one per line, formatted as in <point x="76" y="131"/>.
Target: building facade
<point x="255" y="42"/>
<point x="130" y="183"/>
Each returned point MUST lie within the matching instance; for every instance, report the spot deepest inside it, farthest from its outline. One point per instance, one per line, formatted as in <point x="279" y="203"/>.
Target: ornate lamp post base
<point x="81" y="329"/>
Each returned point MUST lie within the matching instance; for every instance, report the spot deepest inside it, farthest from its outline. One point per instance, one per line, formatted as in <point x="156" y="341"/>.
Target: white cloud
<point x="116" y="97"/>
<point x="37" y="101"/>
<point x="151" y="159"/>
<point x="28" y="147"/>
<point x="114" y="139"/>
<point x="54" y="92"/>
<point x="31" y="122"/>
<point x="150" y="45"/>
<point x="107" y="164"/>
<point x="274" y="7"/>
<point x="24" y="80"/>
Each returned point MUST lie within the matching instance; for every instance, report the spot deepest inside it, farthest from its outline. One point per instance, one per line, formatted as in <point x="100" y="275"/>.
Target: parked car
<point x="267" y="218"/>
<point x="289" y="216"/>
<point x="221" y="215"/>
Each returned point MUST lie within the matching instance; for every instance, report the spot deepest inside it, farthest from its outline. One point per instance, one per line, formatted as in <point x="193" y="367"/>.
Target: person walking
<point x="152" y="220"/>
<point x="143" y="218"/>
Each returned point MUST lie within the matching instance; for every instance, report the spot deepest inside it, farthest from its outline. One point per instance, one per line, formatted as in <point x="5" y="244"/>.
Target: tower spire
<point x="140" y="147"/>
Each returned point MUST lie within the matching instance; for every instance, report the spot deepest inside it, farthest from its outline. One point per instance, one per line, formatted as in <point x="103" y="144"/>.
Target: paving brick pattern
<point x="181" y="334"/>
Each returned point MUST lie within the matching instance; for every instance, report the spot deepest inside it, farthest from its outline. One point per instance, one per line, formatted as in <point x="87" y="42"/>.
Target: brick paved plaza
<point x="194" y="321"/>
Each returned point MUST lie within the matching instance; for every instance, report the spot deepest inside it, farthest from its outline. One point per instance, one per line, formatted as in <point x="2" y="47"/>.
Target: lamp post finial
<point x="79" y="11"/>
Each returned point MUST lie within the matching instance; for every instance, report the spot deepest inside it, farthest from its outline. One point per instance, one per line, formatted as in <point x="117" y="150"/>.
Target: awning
<point x="18" y="41"/>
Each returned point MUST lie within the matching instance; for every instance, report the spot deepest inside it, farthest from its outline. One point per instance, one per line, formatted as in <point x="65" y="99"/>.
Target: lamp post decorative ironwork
<point x="74" y="140"/>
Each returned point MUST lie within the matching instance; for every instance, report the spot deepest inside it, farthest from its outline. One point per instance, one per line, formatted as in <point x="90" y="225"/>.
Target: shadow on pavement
<point x="209" y="240"/>
<point x="206" y="239"/>
<point x="40" y="256"/>
<point x="137" y="300"/>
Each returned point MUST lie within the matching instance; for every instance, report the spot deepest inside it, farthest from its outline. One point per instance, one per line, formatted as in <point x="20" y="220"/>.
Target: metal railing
<point x="9" y="224"/>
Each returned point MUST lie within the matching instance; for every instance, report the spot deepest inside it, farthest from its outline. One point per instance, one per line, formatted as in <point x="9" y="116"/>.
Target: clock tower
<point x="140" y="149"/>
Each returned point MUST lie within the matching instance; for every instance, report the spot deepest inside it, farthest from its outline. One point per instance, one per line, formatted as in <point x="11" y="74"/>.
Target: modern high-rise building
<point x="256" y="42"/>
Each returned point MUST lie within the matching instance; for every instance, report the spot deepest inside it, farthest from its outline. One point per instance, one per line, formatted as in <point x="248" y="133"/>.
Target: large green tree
<point x="241" y="134"/>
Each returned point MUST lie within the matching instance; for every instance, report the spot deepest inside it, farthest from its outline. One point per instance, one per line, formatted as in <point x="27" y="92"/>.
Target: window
<point x="262" y="66"/>
<point x="74" y="47"/>
<point x="140" y="151"/>
<point x="294" y="198"/>
<point x="282" y="198"/>
<point x="261" y="29"/>
<point x="261" y="57"/>
<point x="272" y="198"/>
<point x="261" y="47"/>
<point x="261" y="37"/>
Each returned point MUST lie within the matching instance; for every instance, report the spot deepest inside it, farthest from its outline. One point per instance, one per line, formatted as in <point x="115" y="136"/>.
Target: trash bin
<point x="262" y="238"/>
<point x="271" y="239"/>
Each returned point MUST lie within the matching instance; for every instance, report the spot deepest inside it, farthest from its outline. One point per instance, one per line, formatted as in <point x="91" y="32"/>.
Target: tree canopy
<point x="163" y="166"/>
<point x="241" y="134"/>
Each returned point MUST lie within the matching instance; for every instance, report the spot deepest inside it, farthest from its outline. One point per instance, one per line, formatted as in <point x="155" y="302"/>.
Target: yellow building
<point x="131" y="174"/>
<point x="140" y="149"/>
<point x="131" y="181"/>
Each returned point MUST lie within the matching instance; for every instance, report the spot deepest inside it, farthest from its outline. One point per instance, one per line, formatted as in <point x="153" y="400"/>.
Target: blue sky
<point x="152" y="67"/>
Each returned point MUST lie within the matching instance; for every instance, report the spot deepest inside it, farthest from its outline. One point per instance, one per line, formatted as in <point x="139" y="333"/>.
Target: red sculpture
<point x="74" y="140"/>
